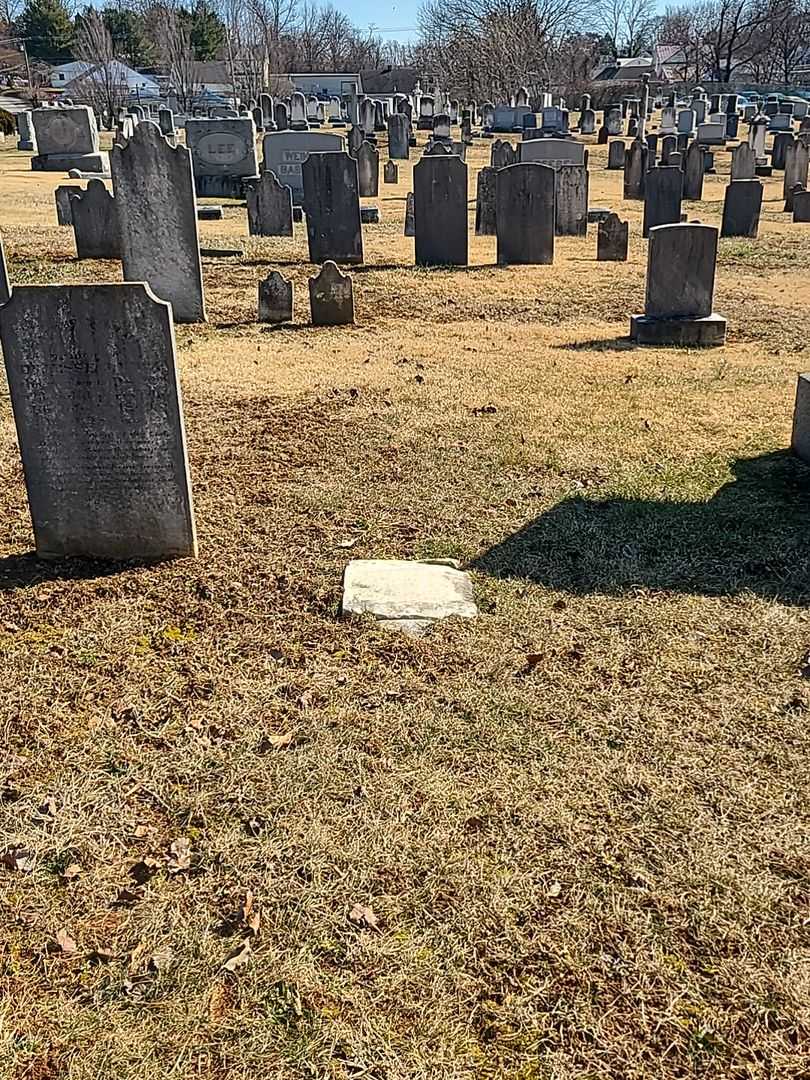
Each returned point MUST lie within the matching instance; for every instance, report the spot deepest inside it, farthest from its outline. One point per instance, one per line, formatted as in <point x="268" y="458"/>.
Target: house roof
<point x="390" y="80"/>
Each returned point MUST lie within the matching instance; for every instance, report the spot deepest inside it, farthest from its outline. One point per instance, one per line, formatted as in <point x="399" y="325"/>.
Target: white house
<point x="326" y="85"/>
<point x="136" y="82"/>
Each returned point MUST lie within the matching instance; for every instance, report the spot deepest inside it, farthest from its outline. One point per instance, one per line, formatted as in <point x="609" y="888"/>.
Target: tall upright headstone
<point x="332" y="207"/>
<point x="99" y="421"/>
<point x="269" y="206"/>
<point x="635" y="168"/>
<point x="398" y="132"/>
<point x="743" y="162"/>
<point x="157" y="215"/>
<point x="485" y="202"/>
<point x="571" y="213"/>
<point x="440" y="211"/>
<point x="693" y="172"/>
<point x="741" y="208"/>
<point x="368" y="170"/>
<point x="663" y="191"/>
<point x="524" y="218"/>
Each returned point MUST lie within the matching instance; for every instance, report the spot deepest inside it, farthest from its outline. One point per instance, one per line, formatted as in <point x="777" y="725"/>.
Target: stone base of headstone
<point x="299" y="125"/>
<point x="407" y="595"/>
<point x="88" y="163"/>
<point x="764" y="170"/>
<point x="706" y="331"/>
<point x="209" y="213"/>
<point x="597" y="214"/>
<point x="485" y="135"/>
<point x="800" y="440"/>
<point x="219" y="187"/>
<point x="370" y="215"/>
<point x="26" y="144"/>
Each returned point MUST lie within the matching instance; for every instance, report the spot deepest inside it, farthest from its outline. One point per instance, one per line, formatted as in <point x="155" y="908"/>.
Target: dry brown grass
<point x="581" y="821"/>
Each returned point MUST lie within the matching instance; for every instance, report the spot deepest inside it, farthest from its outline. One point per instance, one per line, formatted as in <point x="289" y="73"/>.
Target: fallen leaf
<point x="63" y="943"/>
<point x="71" y="872"/>
<point x="179" y="855"/>
<point x="349" y="542"/>
<point x="238" y="957"/>
<point x="364" y="918"/>
<point x="249" y="916"/>
<point x="19" y="858"/>
<point x="142" y="871"/>
<point x="278" y="742"/>
<point x="140" y="831"/>
<point x="554" y="889"/>
<point x="101" y="956"/>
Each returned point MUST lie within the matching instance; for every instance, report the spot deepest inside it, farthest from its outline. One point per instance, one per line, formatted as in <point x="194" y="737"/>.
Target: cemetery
<point x="404" y="589"/>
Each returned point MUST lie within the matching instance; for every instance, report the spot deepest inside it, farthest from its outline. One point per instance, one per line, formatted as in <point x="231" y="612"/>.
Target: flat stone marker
<point x="485" y="202"/>
<point x="410" y="229"/>
<point x="157" y="214"/>
<point x="741" y="208"/>
<point x="331" y="299"/>
<point x="440" y="211"/>
<point x="801" y="206"/>
<point x="663" y="192"/>
<point x="681" y="261"/>
<point x="275" y="299"/>
<point x="64" y="214"/>
<point x="368" y="171"/>
<point x="800" y="441"/>
<point x="524" y="217"/>
<point x="95" y="223"/>
<point x="407" y="595"/>
<point x="612" y="239"/>
<point x="391" y="173"/>
<point x="269" y="206"/>
<point x="332" y="208"/>
<point x="99" y="420"/>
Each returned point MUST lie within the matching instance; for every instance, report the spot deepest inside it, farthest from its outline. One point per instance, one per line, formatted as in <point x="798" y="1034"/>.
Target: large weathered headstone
<point x="635" y="169"/>
<point x="223" y="153"/>
<point x="94" y="214"/>
<point x="332" y="207"/>
<point x="485" y="202"/>
<point x="440" y="211"/>
<point x="285" y="152"/>
<point x="331" y="299"/>
<point x="157" y="215"/>
<point x="269" y="206"/>
<point x="67" y="138"/>
<point x="275" y="299"/>
<point x="681" y="261"/>
<point x="612" y="239"/>
<point x="368" y="171"/>
<point x="741" y="208"/>
<point x="502" y="153"/>
<point x="524" y="218"/>
<point x="552" y="152"/>
<point x="398" y="132"/>
<point x="663" y="191"/>
<point x="99" y="420"/>
<point x="571" y="213"/>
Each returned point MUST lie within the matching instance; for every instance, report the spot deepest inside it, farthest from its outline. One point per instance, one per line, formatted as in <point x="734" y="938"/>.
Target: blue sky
<point x="398" y="21"/>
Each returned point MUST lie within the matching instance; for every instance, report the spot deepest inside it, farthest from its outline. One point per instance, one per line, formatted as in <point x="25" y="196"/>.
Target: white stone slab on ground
<point x="409" y="595"/>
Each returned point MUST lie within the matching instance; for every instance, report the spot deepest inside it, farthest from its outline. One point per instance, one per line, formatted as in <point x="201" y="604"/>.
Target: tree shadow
<point x="752" y="536"/>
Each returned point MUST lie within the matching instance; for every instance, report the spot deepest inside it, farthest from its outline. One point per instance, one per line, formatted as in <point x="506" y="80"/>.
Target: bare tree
<point x="103" y="85"/>
<point x="178" y="56"/>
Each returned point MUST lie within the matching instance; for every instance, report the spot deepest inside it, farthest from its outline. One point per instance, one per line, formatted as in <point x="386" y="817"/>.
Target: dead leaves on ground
<point x="362" y="916"/>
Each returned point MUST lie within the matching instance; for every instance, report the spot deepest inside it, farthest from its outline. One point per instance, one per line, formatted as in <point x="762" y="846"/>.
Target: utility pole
<point x="27" y="68"/>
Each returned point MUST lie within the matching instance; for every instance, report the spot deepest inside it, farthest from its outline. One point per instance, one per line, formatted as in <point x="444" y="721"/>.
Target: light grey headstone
<point x="800" y="441"/>
<point x="25" y="129"/>
<point x="440" y="211"/>
<point x="332" y="207"/>
<point x="743" y="162"/>
<point x="63" y="132"/>
<point x="275" y="299"/>
<point x="368" y="171"/>
<point x="571" y="212"/>
<point x="331" y="300"/>
<point x="95" y="222"/>
<point x="407" y="595"/>
<point x="552" y="152"/>
<point x="157" y="214"/>
<point x="64" y="215"/>
<point x="99" y="420"/>
<point x="223" y="151"/>
<point x="524" y="216"/>
<point x="285" y="152"/>
<point x="797" y="157"/>
<point x="269" y="206"/>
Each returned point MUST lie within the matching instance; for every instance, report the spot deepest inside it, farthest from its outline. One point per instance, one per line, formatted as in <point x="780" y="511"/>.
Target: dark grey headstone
<point x="663" y="192"/>
<point x="440" y="211"/>
<point x="398" y="131"/>
<point x="368" y="171"/>
<point x="681" y="263"/>
<point x="781" y="141"/>
<point x="635" y="167"/>
<point x="693" y="172"/>
<point x="331" y="299"/>
<point x="801" y="205"/>
<point x="485" y="202"/>
<point x="669" y="145"/>
<point x="64" y="214"/>
<point x="275" y="299"/>
<point x="95" y="222"/>
<point x="332" y="207"/>
<point x="97" y="407"/>
<point x="616" y="154"/>
<point x="5" y="286"/>
<point x="612" y="239"/>
<point x="571" y="213"/>
<point x="741" y="208"/>
<point x="410" y="228"/>
<point x="269" y="206"/>
<point x="524" y="218"/>
<point x="502" y="153"/>
<point x="391" y="172"/>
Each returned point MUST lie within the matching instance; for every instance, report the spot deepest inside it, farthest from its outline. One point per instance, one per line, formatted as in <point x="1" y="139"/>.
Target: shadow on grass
<point x="752" y="536"/>
<point x="25" y="571"/>
<point x="597" y="344"/>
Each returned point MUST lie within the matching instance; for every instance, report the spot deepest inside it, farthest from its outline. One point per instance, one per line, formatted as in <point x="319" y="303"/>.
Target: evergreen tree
<point x="47" y="29"/>
<point x="207" y="30"/>
<point x="128" y="33"/>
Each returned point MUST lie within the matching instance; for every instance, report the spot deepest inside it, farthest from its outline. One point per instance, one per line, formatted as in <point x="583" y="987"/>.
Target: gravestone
<point x="331" y="300"/>
<point x="635" y="168"/>
<point x="663" y="192"/>
<point x="391" y="173"/>
<point x="800" y="440"/>
<point x="502" y="153"/>
<point x="743" y="162"/>
<point x="268" y="112"/>
<point x="681" y="261"/>
<point x="25" y="130"/>
<point x="801" y="206"/>
<point x="407" y="595"/>
<point x="524" y="215"/>
<point x="367" y="117"/>
<point x="613" y="120"/>
<point x="285" y="151"/>
<point x="166" y="122"/>
<point x="398" y="132"/>
<point x="587" y="117"/>
<point x="693" y="172"/>
<point x="269" y="206"/>
<point x="157" y="215"/>
<point x="797" y="157"/>
<point x="99" y="421"/>
<point x="571" y="213"/>
<point x="64" y="215"/>
<point x="781" y="142"/>
<point x="552" y="152"/>
<point x="616" y="154"/>
<point x="368" y="172"/>
<point x="275" y="299"/>
<point x="669" y="145"/>
<point x="67" y="138"/>
<point x="440" y="211"/>
<point x="5" y="286"/>
<point x="741" y="208"/>
<point x="95" y="222"/>
<point x="223" y="153"/>
<point x="298" y="112"/>
<point x="356" y="139"/>
<point x="282" y="115"/>
<point x="485" y="202"/>
<point x="332" y="208"/>
<point x="410" y="227"/>
<point x="612" y="239"/>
